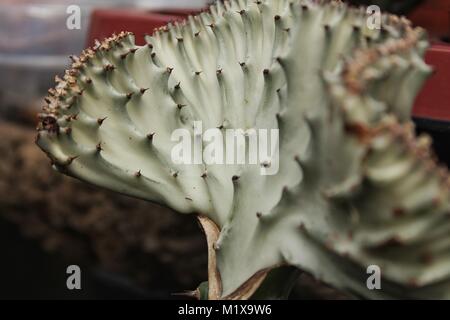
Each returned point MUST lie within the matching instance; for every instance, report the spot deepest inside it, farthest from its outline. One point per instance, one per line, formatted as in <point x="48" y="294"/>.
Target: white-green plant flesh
<point x="355" y="186"/>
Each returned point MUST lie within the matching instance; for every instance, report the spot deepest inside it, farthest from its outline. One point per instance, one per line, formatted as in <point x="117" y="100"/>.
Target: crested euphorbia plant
<point x="355" y="186"/>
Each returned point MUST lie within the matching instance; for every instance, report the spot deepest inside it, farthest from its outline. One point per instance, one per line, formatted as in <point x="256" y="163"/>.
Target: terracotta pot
<point x="433" y="15"/>
<point x="434" y="100"/>
<point x="106" y="22"/>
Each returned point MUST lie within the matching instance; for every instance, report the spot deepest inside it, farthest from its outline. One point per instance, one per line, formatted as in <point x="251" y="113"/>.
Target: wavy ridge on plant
<point x="355" y="186"/>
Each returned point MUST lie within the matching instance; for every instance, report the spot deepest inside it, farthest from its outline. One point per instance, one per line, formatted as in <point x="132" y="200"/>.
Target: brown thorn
<point x="150" y="136"/>
<point x="101" y="120"/>
<point x="70" y="160"/>
<point x="188" y="294"/>
<point x="73" y="58"/>
<point x="109" y="67"/>
<point x="398" y="212"/>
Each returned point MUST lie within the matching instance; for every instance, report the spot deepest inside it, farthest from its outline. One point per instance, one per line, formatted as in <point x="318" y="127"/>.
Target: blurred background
<point x="126" y="248"/>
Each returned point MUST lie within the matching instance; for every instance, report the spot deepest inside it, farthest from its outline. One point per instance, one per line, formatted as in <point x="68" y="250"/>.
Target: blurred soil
<point x="152" y="245"/>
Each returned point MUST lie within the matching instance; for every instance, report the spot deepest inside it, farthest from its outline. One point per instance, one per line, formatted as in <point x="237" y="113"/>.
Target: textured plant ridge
<point x="355" y="188"/>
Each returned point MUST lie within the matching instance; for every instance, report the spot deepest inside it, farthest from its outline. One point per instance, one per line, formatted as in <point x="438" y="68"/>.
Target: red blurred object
<point x="434" y="100"/>
<point x="106" y="22"/>
<point x="432" y="103"/>
<point x="433" y="15"/>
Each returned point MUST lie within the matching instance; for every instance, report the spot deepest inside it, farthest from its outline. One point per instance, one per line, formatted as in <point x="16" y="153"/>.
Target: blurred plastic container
<point x="35" y="43"/>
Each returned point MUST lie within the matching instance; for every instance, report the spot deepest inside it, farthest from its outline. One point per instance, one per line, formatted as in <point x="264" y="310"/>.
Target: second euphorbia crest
<point x="355" y="186"/>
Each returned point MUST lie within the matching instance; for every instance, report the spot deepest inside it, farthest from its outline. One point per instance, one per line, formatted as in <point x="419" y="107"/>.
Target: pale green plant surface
<point x="355" y="186"/>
